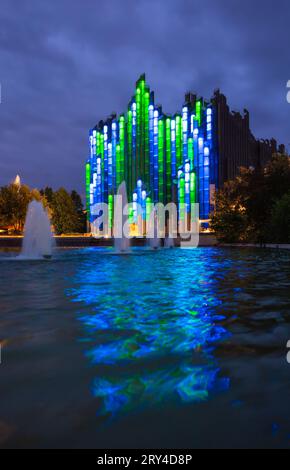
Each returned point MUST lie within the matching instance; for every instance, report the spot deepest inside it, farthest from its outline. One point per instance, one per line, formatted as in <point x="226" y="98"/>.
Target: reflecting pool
<point x="174" y="348"/>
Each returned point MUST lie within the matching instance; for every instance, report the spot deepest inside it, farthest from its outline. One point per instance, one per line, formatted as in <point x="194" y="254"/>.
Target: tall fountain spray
<point x="121" y="241"/>
<point x="38" y="241"/>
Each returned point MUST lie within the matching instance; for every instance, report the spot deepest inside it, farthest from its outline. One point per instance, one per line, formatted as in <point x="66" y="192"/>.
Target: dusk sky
<point x="64" y="65"/>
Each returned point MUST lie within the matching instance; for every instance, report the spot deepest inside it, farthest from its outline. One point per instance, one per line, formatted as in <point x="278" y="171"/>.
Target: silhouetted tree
<point x="14" y="201"/>
<point x="64" y="214"/>
<point x="246" y="207"/>
<point x="47" y="193"/>
<point x="77" y="200"/>
<point x="279" y="229"/>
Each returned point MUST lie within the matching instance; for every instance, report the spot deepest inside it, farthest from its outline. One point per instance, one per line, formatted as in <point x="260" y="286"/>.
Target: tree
<point x="229" y="220"/>
<point x="77" y="200"/>
<point x="47" y="193"/>
<point x="64" y="214"/>
<point x="277" y="176"/>
<point x="245" y="207"/>
<point x="280" y="220"/>
<point x="14" y="201"/>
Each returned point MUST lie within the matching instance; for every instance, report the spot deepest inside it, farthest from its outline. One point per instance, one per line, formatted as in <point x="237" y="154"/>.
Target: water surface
<point x="175" y="348"/>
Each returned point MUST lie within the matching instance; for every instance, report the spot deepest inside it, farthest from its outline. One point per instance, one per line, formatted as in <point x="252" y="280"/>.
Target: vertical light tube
<point x="201" y="176"/>
<point x="151" y="147"/>
<point x="178" y="142"/>
<point x="184" y="132"/>
<point x="146" y="139"/>
<point x="139" y="192"/>
<point x="134" y="144"/>
<point x="156" y="172"/>
<point x="88" y="182"/>
<point x="192" y="119"/>
<point x="118" y="165"/>
<point x="106" y="187"/>
<point x="94" y="143"/>
<point x="161" y="160"/>
<point x="209" y="123"/>
<point x="173" y="149"/>
<point x="198" y="112"/>
<point x="94" y="165"/>
<point x="187" y="186"/>
<point x="206" y="166"/>
<point x="114" y="145"/>
<point x="190" y="152"/>
<point x="141" y="86"/>
<point x="192" y="188"/>
<point x="143" y="204"/>
<point x="99" y="180"/>
<point x="103" y="165"/>
<point x="110" y="169"/>
<point x="148" y="212"/>
<point x="192" y="192"/>
<point x="138" y="133"/>
<point x="135" y="208"/>
<point x="129" y="153"/>
<point x="110" y="213"/>
<point x="181" y="195"/>
<point x="122" y="147"/>
<point x="168" y="161"/>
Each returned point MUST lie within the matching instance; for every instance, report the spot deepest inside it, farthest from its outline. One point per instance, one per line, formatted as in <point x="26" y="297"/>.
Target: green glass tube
<point x="131" y="215"/>
<point x="98" y="138"/>
<point x="168" y="160"/>
<point x="182" y="197"/>
<point x="146" y="139"/>
<point x="142" y="130"/>
<point x="102" y="152"/>
<point x="198" y="112"/>
<point x="111" y="210"/>
<point x="122" y="148"/>
<point x="118" y="165"/>
<point x="129" y="153"/>
<point x="149" y="208"/>
<point x="192" y="188"/>
<point x="190" y="152"/>
<point x="161" y="160"/>
<point x="179" y="158"/>
<point x="138" y="134"/>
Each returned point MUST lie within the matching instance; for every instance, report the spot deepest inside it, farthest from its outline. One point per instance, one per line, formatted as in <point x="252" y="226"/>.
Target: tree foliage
<point x="65" y="210"/>
<point x="65" y="213"/>
<point x="253" y="207"/>
<point x="280" y="220"/>
<point x="14" y="201"/>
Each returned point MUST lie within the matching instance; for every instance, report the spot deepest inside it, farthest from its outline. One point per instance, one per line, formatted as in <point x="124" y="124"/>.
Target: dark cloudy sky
<point x="66" y="64"/>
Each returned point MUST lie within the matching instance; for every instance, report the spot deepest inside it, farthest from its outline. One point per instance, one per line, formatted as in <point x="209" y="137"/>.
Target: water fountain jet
<point x="121" y="241"/>
<point x="38" y="241"/>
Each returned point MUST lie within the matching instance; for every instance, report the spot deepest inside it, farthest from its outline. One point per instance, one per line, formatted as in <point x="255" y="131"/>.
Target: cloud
<point x="65" y="65"/>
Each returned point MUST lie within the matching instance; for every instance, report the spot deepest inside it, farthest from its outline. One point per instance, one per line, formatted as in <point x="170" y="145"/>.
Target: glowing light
<point x="153" y="152"/>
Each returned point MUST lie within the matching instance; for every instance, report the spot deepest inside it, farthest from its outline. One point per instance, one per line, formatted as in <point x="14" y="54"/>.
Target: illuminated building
<point x="181" y="158"/>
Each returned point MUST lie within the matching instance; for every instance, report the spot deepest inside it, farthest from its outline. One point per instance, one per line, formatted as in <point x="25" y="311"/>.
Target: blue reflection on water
<point x="150" y="327"/>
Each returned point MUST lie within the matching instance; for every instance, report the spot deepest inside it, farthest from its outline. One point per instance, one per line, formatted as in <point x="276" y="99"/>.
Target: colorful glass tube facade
<point x="161" y="158"/>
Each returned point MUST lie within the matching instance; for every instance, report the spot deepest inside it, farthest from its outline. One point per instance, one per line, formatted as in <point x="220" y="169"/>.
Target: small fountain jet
<point x="154" y="240"/>
<point x="121" y="241"/>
